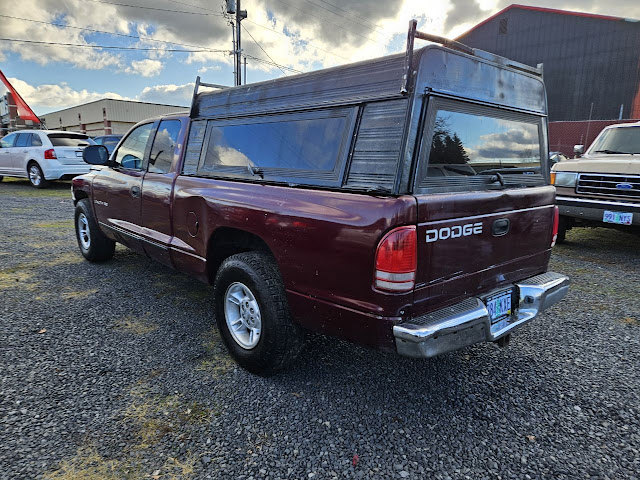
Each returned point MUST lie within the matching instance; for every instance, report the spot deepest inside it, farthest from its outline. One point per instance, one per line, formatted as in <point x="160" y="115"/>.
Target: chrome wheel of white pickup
<point x="84" y="233"/>
<point x="242" y="314"/>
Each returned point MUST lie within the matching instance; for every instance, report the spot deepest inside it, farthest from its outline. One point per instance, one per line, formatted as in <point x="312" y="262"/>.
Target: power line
<point x="156" y="8"/>
<point x="267" y="62"/>
<point x="285" y="35"/>
<point x="260" y="47"/>
<point x="198" y="48"/>
<point x="270" y="29"/>
<point x="110" y="47"/>
<point x="172" y="50"/>
<point x="366" y="23"/>
<point x="137" y="37"/>
<point x="306" y="12"/>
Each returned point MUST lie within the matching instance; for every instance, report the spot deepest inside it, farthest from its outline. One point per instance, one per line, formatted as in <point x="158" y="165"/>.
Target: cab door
<point x="157" y="188"/>
<point x="117" y="190"/>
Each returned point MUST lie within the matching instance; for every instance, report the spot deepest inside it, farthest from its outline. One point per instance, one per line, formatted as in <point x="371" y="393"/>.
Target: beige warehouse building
<point x="106" y="116"/>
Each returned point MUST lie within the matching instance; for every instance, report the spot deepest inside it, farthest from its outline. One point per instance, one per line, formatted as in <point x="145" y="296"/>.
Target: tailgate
<point x="471" y="243"/>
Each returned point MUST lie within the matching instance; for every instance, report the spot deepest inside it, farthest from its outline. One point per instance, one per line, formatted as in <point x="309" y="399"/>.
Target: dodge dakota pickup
<point x="401" y="203"/>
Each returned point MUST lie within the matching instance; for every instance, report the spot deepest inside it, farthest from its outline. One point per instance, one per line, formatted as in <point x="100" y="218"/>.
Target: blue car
<point x="109" y="141"/>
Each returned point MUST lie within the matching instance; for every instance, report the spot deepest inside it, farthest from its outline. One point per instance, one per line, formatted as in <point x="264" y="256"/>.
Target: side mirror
<point x="96" y="155"/>
<point x="578" y="149"/>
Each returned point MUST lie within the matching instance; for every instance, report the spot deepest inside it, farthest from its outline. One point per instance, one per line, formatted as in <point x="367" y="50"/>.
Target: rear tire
<point x="253" y="315"/>
<point x="94" y="245"/>
<point x="36" y="175"/>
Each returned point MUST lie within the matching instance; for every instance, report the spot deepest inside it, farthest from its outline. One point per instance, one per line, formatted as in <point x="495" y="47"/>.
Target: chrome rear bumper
<point x="468" y="322"/>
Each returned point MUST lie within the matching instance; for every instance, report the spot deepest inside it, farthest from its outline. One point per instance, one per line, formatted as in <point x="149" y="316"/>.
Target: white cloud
<point x="146" y="67"/>
<point x="169" y="94"/>
<point x="54" y="96"/>
<point x="73" y="12"/>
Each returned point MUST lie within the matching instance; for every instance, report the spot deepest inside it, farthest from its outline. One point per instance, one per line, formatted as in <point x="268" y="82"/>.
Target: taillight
<point x="396" y="260"/>
<point x="50" y="154"/>
<point x="556" y="223"/>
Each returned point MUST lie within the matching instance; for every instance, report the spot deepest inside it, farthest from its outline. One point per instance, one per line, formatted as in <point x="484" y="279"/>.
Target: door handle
<point x="500" y="227"/>
<point x="135" y="191"/>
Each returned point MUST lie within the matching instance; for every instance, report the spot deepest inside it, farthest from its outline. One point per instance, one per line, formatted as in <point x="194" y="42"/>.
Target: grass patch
<point x="21" y="276"/>
<point x="156" y="416"/>
<point x="58" y="225"/>
<point x="137" y="326"/>
<point x="88" y="464"/>
<point x="631" y="321"/>
<point x="78" y="294"/>
<point x="217" y="361"/>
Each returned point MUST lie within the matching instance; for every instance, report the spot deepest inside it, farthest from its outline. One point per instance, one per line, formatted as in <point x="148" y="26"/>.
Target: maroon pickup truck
<point x="401" y="203"/>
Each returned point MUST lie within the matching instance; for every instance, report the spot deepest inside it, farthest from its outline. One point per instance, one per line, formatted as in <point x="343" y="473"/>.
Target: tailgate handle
<point x="501" y="227"/>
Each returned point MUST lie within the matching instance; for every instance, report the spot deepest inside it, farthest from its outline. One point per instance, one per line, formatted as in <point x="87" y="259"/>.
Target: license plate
<point x="621" y="218"/>
<point x="499" y="308"/>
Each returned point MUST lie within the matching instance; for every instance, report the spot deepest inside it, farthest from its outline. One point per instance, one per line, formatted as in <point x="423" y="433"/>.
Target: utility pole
<point x="233" y="7"/>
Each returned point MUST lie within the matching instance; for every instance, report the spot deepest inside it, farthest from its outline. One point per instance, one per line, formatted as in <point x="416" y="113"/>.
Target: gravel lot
<point x="113" y="371"/>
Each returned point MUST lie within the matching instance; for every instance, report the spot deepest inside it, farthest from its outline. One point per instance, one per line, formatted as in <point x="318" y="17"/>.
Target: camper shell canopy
<point x="436" y="69"/>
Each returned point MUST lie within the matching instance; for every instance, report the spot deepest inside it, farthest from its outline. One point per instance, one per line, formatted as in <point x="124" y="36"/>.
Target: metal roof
<point x="546" y="10"/>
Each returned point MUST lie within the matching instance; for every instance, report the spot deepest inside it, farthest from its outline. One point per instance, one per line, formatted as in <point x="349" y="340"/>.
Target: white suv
<point x="42" y="155"/>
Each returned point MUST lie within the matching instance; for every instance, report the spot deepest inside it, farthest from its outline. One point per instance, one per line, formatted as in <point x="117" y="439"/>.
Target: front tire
<point x="253" y="315"/>
<point x="563" y="226"/>
<point x="36" y="176"/>
<point x="94" y="245"/>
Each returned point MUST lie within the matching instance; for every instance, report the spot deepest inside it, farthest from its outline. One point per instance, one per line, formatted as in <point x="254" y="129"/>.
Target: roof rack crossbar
<point x="408" y="58"/>
<point x="455" y="45"/>
<point x="195" y="92"/>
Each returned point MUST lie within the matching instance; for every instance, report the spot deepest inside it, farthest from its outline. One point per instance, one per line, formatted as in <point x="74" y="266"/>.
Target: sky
<point x="279" y="37"/>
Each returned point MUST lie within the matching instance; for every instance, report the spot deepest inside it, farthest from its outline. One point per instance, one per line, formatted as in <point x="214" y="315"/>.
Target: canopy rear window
<point x="470" y="147"/>
<point x="69" y="140"/>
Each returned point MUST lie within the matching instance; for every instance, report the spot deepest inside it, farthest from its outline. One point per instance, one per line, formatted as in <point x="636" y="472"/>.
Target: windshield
<point x="617" y="141"/>
<point x="69" y="140"/>
<point x="473" y="147"/>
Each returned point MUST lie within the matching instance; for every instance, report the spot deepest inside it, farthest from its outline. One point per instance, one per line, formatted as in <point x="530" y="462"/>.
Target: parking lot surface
<point x="114" y="371"/>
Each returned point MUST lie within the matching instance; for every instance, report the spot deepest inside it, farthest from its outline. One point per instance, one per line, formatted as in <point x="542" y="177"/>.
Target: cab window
<point x="164" y="146"/>
<point x="130" y="155"/>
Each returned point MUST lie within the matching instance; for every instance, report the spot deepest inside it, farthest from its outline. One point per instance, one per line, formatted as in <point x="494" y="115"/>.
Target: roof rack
<point x="197" y="87"/>
<point x="455" y="45"/>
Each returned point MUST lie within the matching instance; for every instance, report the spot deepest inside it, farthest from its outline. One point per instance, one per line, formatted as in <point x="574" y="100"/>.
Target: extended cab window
<point x="306" y="147"/>
<point x="164" y="146"/>
<point x="469" y="147"/>
<point x="131" y="153"/>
